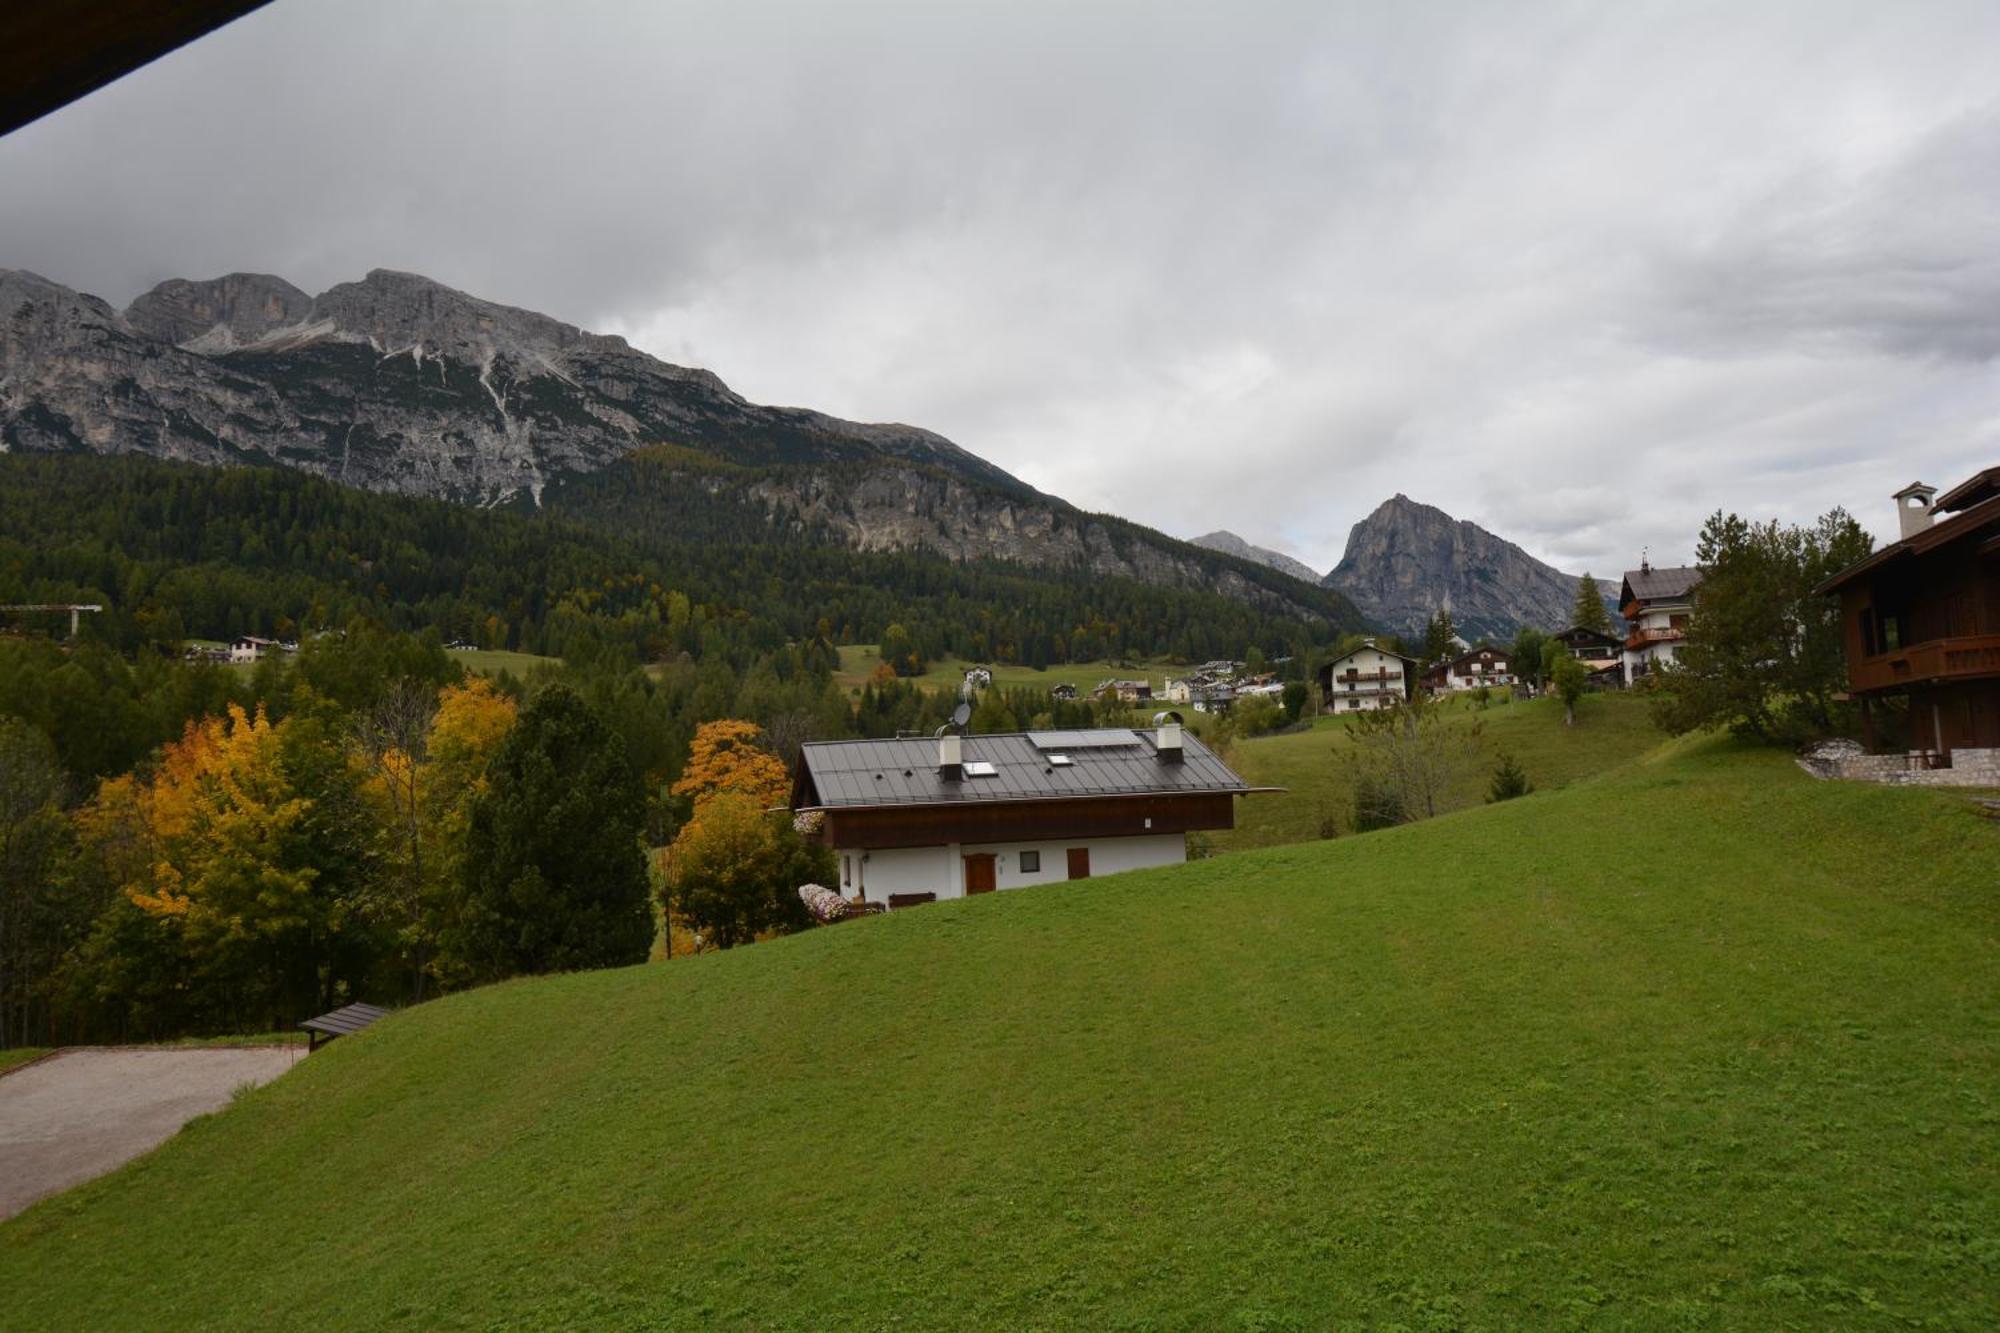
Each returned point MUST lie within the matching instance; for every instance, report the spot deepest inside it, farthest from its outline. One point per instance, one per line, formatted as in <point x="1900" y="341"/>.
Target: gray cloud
<point x="1581" y="273"/>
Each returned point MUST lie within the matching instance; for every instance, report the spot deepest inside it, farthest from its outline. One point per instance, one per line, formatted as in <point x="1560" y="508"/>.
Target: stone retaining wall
<point x="1969" y="767"/>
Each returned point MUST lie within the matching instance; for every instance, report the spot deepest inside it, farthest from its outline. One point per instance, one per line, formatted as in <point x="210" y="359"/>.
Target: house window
<point x="1031" y="863"/>
<point x="847" y="872"/>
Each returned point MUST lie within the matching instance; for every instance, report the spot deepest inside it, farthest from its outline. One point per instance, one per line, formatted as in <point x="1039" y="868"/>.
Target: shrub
<point x="1509" y="780"/>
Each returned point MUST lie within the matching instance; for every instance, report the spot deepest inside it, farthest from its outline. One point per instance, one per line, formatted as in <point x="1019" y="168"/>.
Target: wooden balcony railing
<point x="1965" y="658"/>
<point x="1639" y="638"/>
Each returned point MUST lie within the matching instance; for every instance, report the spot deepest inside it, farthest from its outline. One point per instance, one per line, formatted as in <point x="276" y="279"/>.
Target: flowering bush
<point x="822" y="902"/>
<point x="808" y="822"/>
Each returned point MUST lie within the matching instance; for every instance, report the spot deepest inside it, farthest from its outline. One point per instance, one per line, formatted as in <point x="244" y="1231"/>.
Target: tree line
<point x="177" y="552"/>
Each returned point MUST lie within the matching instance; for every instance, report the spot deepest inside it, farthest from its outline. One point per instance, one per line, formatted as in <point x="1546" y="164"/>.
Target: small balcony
<point x="1639" y="638"/>
<point x="1966" y="658"/>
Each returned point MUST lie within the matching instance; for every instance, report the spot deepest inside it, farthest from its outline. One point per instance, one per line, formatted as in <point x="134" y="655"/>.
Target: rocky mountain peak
<point x="1230" y="544"/>
<point x="1407" y="560"/>
<point x="216" y="315"/>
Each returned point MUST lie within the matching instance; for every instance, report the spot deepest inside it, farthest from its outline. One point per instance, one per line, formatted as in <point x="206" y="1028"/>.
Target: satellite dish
<point x="961" y="715"/>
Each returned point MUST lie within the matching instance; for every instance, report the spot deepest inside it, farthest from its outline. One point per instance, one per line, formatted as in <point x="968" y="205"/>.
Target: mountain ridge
<point x="401" y="384"/>
<point x="1227" y="542"/>
<point x="1407" y="560"/>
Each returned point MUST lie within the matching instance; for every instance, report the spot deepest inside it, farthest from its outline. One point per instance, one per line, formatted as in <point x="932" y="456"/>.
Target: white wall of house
<point x="1366" y="694"/>
<point x="941" y="870"/>
<point x="1661" y="616"/>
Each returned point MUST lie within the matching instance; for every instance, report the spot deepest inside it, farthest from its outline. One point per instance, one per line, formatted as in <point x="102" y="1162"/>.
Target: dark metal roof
<point x="349" y="1019"/>
<point x="1672" y="583"/>
<point x="857" y="774"/>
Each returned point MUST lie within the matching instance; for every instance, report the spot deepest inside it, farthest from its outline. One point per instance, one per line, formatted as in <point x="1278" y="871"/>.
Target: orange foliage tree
<point x="216" y="846"/>
<point x="730" y="756"/>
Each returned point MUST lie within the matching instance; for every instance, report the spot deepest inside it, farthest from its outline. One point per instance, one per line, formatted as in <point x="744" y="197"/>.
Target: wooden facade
<point x="1920" y="621"/>
<point x="1013" y="821"/>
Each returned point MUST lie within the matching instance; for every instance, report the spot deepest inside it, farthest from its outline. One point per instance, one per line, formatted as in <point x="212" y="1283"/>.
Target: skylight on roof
<point x="1057" y="760"/>
<point x="979" y="768"/>
<point x="1107" y="738"/>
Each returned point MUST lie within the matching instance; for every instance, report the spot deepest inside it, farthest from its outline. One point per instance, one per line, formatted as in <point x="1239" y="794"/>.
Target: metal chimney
<point x="951" y="756"/>
<point x="1167" y="741"/>
<point x="1913" y="508"/>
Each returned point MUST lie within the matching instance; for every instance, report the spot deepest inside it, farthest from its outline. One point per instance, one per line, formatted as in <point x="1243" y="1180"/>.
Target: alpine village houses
<point x="913" y="820"/>
<point x="1920" y="627"/>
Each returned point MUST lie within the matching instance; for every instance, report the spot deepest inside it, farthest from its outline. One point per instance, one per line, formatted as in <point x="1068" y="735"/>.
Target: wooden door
<point x="979" y="873"/>
<point x="1079" y="863"/>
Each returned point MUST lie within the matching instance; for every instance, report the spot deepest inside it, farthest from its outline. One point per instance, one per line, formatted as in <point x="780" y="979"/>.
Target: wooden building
<point x="1602" y="655"/>
<point x="1484" y="665"/>
<point x="915" y="820"/>
<point x="1920" y="622"/>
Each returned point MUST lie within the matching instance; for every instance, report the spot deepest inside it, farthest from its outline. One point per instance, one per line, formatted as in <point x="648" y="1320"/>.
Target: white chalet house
<point x="915" y="820"/>
<point x="1367" y="678"/>
<point x="1656" y="604"/>
<point x="250" y="648"/>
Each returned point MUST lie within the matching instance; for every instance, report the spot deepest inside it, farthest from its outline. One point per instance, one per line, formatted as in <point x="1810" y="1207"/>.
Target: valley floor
<point x="1696" y="1043"/>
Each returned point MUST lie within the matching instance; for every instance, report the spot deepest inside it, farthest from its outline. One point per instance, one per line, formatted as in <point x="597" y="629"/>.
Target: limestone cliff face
<point x="891" y="507"/>
<point x="1407" y="560"/>
<point x="397" y="383"/>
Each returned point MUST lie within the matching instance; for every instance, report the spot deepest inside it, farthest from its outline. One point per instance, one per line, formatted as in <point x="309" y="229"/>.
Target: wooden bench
<point x="897" y="900"/>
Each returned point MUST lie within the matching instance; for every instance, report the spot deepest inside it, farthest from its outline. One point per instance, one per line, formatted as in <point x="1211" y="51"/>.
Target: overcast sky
<point x="1580" y="273"/>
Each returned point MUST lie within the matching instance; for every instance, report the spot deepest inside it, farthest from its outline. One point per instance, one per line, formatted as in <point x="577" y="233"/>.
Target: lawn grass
<point x="858" y="663"/>
<point x="1316" y="766"/>
<point x="1698" y="1043"/>
<point x="493" y="661"/>
<point x="15" y="1056"/>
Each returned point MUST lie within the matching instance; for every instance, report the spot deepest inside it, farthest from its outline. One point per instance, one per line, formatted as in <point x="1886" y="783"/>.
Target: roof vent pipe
<point x="951" y="756"/>
<point x="1167" y="741"/>
<point x="1913" y="508"/>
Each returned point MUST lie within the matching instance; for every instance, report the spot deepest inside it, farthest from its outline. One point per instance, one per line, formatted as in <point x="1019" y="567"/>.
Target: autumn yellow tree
<point x="216" y="845"/>
<point x="730" y="756"/>
<point x="734" y="872"/>
<point x="426" y="755"/>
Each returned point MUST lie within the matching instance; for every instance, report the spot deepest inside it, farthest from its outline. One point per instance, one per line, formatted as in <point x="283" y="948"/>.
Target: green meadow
<point x="1316" y="765"/>
<point x="1696" y="1042"/>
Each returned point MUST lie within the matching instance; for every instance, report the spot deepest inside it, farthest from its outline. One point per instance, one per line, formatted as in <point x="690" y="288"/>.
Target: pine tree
<point x="1438" y="635"/>
<point x="1509" y="780"/>
<point x="1590" y="612"/>
<point x="554" y="875"/>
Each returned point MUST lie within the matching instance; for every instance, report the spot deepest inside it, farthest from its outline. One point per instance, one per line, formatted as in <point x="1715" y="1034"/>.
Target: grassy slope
<point x="15" y="1056"/>
<point x="1315" y="766"/>
<point x="1698" y="1042"/>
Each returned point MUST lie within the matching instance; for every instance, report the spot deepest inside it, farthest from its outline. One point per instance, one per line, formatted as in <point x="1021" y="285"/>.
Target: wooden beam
<point x="55" y="51"/>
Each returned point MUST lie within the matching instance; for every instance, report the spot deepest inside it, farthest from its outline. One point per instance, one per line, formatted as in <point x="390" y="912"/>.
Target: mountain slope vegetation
<point x="1699" y="1042"/>
<point x="663" y="551"/>
<point x="400" y="384"/>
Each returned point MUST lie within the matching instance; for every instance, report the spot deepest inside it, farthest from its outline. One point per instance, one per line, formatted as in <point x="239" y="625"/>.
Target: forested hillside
<point x="653" y="552"/>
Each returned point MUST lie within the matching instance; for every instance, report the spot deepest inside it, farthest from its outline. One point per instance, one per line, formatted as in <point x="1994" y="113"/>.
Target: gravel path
<point x="84" y="1111"/>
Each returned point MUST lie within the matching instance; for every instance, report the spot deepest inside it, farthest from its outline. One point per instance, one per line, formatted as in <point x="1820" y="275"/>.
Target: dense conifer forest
<point x="638" y="555"/>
